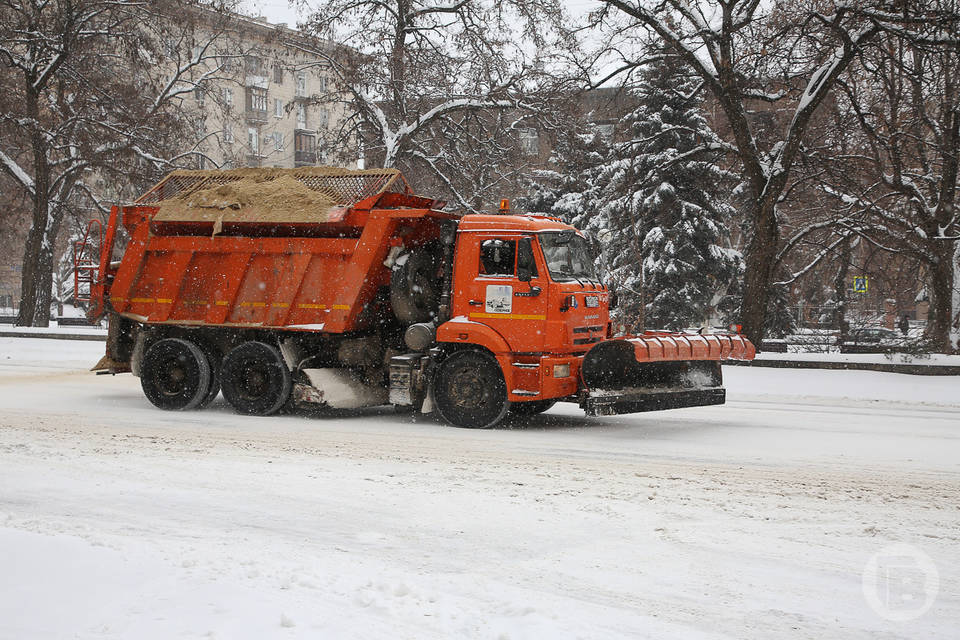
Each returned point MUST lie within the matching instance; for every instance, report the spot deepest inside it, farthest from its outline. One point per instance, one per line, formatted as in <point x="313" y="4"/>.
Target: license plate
<point x="593" y="301"/>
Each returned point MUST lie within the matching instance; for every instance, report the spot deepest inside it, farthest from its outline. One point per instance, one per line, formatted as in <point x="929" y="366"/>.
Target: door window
<point x="498" y="257"/>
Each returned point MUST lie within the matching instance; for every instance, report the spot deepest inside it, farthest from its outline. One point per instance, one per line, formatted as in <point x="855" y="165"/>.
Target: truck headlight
<point x="561" y="370"/>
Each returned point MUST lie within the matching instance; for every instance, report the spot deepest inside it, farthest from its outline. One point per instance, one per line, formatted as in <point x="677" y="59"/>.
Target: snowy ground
<point x="938" y="359"/>
<point x="754" y="519"/>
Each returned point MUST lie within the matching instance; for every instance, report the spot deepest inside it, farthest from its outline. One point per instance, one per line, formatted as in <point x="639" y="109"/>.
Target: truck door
<point x="507" y="289"/>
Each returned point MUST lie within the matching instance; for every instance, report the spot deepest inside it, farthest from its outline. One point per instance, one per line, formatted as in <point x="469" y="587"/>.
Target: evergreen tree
<point x="571" y="189"/>
<point x="667" y="256"/>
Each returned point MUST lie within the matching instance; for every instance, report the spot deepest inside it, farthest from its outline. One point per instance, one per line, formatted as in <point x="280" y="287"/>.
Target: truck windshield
<point x="568" y="256"/>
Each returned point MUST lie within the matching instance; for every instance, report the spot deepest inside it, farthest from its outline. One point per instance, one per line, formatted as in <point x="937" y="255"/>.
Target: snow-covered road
<point x="754" y="519"/>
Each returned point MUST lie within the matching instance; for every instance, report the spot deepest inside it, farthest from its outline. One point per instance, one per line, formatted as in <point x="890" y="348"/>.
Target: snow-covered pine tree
<point x="664" y="205"/>
<point x="570" y="189"/>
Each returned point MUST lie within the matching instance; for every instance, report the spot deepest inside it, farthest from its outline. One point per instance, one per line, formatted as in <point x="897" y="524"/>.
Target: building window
<point x="529" y="141"/>
<point x="228" y="135"/>
<point x="301" y="116"/>
<point x="301" y="90"/>
<point x="254" y="65"/>
<point x="277" y="73"/>
<point x="277" y="141"/>
<point x="305" y="148"/>
<point x="253" y="141"/>
<point x="200" y="94"/>
<point x="227" y="98"/>
<point x="277" y="108"/>
<point x="257" y="102"/>
<point x="227" y="63"/>
<point x="324" y="118"/>
<point x="322" y="84"/>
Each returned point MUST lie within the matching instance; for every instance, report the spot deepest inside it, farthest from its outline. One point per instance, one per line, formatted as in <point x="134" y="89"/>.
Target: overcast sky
<point x="281" y="11"/>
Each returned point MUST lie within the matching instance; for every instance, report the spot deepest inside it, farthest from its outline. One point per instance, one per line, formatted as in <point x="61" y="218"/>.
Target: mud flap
<point x="611" y="403"/>
<point x="106" y="364"/>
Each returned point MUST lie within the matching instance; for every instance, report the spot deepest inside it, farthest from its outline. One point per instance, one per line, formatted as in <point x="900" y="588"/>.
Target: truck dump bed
<point x="299" y="249"/>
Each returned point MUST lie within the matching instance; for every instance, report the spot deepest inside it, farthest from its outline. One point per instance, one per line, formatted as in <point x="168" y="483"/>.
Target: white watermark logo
<point x="900" y="582"/>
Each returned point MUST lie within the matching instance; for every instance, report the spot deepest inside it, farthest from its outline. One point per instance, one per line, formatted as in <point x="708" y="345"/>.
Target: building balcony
<point x="304" y="158"/>
<point x="254" y="160"/>
<point x="257" y="116"/>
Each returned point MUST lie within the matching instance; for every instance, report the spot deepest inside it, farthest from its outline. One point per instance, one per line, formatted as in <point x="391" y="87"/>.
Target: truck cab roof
<point x="514" y="223"/>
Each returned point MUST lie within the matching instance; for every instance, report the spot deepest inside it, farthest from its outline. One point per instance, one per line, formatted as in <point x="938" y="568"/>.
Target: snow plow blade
<point x="639" y="400"/>
<point x="658" y="371"/>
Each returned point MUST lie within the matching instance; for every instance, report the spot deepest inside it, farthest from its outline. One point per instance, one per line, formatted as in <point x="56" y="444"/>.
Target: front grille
<point x="587" y="329"/>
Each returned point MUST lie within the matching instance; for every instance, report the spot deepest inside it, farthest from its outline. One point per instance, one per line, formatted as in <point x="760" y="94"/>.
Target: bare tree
<point x="93" y="90"/>
<point x="424" y="75"/>
<point x="906" y="100"/>
<point x="788" y="56"/>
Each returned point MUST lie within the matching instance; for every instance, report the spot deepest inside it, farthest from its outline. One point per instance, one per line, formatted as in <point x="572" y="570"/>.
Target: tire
<point x="175" y="375"/>
<point x="531" y="408"/>
<point x="469" y="390"/>
<point x="415" y="286"/>
<point x="255" y="379"/>
<point x="214" y="359"/>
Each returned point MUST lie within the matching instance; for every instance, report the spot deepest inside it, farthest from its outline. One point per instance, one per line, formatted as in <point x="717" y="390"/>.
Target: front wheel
<point x="255" y="380"/>
<point x="469" y="390"/>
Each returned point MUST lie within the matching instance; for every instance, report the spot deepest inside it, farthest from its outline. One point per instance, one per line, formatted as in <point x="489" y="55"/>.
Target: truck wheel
<point x="469" y="390"/>
<point x="214" y="359"/>
<point x="415" y="286"/>
<point x="175" y="375"/>
<point x="255" y="379"/>
<point x="531" y="408"/>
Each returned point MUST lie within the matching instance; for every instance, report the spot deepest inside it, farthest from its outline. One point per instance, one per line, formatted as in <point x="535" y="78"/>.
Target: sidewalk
<point x="54" y="332"/>
<point x="935" y="364"/>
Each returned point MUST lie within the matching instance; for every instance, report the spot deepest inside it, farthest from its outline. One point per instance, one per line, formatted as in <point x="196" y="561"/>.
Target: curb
<point x="55" y="335"/>
<point x="886" y="367"/>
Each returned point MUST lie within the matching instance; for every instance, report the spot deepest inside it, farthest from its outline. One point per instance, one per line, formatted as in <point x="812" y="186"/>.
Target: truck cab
<point x="525" y="294"/>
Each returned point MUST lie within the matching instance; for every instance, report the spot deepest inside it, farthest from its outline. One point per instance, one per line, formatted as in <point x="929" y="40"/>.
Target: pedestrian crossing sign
<point x="860" y="284"/>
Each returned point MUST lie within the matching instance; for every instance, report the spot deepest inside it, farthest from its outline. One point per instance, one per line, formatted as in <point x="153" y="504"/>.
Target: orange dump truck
<point x="320" y="286"/>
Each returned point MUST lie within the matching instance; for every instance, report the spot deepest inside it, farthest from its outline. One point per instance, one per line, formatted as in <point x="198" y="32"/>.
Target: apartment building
<point x="270" y="102"/>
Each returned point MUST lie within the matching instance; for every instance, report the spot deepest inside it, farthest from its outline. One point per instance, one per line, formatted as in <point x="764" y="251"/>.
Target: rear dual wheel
<point x="255" y="379"/>
<point x="175" y="375"/>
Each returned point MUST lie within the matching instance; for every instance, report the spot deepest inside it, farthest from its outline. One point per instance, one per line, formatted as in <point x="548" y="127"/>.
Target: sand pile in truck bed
<point x="253" y="198"/>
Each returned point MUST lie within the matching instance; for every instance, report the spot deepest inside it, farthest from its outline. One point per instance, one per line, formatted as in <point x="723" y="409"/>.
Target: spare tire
<point x="415" y="284"/>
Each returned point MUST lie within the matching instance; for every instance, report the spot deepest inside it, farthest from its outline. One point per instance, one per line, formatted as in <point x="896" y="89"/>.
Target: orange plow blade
<point x="658" y="370"/>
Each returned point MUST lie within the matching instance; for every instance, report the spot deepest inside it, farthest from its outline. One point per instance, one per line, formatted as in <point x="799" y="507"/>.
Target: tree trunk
<point x="759" y="258"/>
<point x="941" y="298"/>
<point x="37" y="276"/>
<point x="840" y="289"/>
<point x="955" y="327"/>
